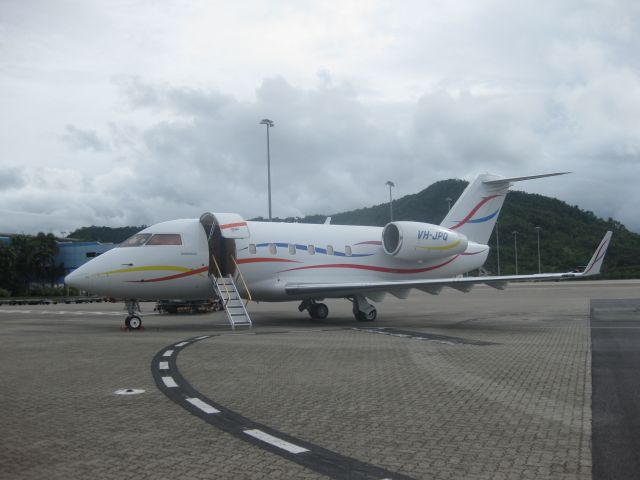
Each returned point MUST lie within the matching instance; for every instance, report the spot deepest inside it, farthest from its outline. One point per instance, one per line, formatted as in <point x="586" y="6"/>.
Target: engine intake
<point x="421" y="241"/>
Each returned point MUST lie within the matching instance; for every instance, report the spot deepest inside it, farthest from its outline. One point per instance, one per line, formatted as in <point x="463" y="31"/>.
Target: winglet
<point x="593" y="268"/>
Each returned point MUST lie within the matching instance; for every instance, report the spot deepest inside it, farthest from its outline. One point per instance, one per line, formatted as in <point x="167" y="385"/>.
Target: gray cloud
<point x="163" y="125"/>
<point x="11" y="178"/>
<point x="81" y="139"/>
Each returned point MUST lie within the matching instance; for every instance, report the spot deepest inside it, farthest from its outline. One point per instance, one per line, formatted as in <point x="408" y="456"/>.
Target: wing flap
<point x="433" y="286"/>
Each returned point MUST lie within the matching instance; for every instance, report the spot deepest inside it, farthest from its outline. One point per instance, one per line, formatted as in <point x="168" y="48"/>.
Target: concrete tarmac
<point x="488" y="384"/>
<point x="615" y="333"/>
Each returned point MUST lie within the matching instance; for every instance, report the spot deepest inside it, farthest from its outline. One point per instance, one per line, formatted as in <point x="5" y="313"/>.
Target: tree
<point x="7" y="267"/>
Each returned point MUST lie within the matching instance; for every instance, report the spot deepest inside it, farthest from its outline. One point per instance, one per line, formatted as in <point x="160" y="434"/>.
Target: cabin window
<point x="347" y="251"/>
<point x="292" y="249"/>
<point x="252" y="248"/>
<point x="272" y="249"/>
<point x="92" y="254"/>
<point x="329" y="249"/>
<point x="137" y="240"/>
<point x="165" y="239"/>
<point x="311" y="249"/>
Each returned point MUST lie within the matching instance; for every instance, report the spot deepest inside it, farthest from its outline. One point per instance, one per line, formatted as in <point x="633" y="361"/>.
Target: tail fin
<point x="476" y="211"/>
<point x="594" y="265"/>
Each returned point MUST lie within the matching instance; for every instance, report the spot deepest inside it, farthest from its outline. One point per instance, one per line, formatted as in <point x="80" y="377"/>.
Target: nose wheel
<point x="133" y="320"/>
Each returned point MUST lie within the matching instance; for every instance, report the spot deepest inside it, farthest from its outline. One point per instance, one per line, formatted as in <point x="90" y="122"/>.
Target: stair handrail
<point x="246" y="288"/>
<point x="220" y="276"/>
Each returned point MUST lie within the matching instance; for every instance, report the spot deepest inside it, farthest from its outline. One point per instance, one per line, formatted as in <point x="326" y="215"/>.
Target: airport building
<point x="71" y="254"/>
<point x="74" y="254"/>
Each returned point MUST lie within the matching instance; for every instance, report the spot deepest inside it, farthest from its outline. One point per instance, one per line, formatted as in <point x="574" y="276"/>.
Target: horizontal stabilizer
<point x="520" y="179"/>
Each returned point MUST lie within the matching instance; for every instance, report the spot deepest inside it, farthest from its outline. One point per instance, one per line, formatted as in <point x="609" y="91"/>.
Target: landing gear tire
<point x="318" y="311"/>
<point x="133" y="322"/>
<point x="366" y="317"/>
<point x="363" y="310"/>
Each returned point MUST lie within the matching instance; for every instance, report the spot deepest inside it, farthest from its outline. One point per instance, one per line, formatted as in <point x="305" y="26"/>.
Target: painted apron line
<point x="171" y="382"/>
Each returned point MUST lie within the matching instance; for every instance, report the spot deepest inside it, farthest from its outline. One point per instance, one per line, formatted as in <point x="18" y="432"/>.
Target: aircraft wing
<point x="400" y="288"/>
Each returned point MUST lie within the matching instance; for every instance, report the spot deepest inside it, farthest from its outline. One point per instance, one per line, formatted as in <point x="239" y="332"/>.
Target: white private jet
<point x="277" y="262"/>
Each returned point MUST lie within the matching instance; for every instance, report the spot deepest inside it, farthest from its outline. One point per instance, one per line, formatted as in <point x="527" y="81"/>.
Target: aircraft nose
<point x="78" y="279"/>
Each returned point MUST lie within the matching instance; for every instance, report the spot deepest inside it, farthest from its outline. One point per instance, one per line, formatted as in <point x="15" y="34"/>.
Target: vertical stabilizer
<point x="476" y="211"/>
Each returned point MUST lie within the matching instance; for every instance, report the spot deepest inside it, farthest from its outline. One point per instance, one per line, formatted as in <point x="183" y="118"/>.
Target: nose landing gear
<point x="133" y="320"/>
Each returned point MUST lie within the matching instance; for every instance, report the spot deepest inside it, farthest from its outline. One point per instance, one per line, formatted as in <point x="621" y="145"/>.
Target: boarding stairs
<point x="234" y="305"/>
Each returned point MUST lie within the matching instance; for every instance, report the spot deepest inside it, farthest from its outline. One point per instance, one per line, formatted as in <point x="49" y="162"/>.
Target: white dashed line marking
<point x="168" y="353"/>
<point x="275" y="441"/>
<point x="205" y="407"/>
<point x="163" y="365"/>
<point x="169" y="382"/>
<point x="203" y="337"/>
<point x="181" y="344"/>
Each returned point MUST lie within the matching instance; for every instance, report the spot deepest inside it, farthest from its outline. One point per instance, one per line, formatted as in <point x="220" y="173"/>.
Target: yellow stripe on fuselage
<point x="445" y="247"/>
<point x="148" y="269"/>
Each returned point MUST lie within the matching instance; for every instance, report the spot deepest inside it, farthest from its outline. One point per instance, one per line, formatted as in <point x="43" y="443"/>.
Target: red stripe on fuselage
<point x="231" y="225"/>
<point x="373" y="268"/>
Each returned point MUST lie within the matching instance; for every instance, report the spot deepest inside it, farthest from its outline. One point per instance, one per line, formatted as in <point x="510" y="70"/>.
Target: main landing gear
<point x="363" y="310"/>
<point x="133" y="320"/>
<point x="317" y="311"/>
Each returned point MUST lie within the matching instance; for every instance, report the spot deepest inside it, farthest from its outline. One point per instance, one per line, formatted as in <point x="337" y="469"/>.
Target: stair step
<point x="227" y="291"/>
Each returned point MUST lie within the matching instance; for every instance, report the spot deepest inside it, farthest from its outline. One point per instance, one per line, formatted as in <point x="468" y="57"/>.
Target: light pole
<point x="498" y="246"/>
<point x="515" y="243"/>
<point x="538" y="235"/>
<point x="448" y="199"/>
<point x="268" y="123"/>
<point x="391" y="184"/>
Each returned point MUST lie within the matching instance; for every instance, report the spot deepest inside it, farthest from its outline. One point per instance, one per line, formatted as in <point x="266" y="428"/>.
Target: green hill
<point x="105" y="234"/>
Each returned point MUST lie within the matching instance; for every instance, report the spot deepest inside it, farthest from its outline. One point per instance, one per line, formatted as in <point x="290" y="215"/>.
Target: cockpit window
<point x="165" y="239"/>
<point x="137" y="240"/>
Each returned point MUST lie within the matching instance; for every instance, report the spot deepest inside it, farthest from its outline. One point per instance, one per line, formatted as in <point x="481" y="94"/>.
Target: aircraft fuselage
<point x="270" y="257"/>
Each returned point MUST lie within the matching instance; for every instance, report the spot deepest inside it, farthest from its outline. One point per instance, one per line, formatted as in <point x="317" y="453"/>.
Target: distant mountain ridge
<point x="105" y="234"/>
<point x="568" y="234"/>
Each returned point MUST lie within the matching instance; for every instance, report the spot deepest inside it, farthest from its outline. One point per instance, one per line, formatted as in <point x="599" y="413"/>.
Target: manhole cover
<point x="129" y="391"/>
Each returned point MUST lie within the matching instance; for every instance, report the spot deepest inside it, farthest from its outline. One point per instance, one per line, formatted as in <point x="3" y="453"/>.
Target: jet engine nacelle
<point x="421" y="241"/>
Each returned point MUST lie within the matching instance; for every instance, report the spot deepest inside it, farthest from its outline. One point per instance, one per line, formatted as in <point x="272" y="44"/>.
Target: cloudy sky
<point x="128" y="112"/>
